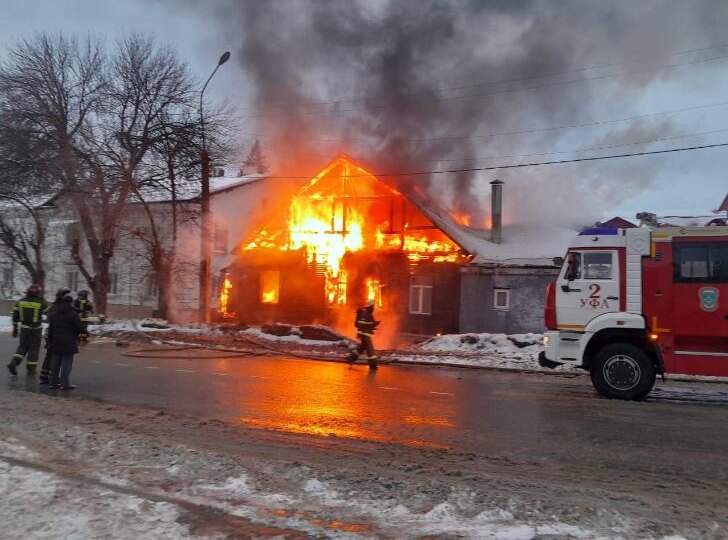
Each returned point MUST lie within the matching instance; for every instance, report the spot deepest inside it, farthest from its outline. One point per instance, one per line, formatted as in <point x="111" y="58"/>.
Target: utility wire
<point x="492" y="93"/>
<point x="340" y="101"/>
<point x="516" y="165"/>
<point x="508" y="133"/>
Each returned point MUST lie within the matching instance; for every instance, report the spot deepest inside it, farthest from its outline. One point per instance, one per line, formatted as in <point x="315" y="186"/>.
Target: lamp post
<point x="205" y="240"/>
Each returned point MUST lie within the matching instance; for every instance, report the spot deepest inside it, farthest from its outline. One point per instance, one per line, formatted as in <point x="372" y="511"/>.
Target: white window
<point x="72" y="280"/>
<point x="7" y="278"/>
<point x="420" y="300"/>
<point x="502" y="299"/>
<point x="114" y="279"/>
<point x="152" y="287"/>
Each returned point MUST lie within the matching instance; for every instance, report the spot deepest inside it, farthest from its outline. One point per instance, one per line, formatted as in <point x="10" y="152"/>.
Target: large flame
<point x="326" y="220"/>
<point x="224" y="308"/>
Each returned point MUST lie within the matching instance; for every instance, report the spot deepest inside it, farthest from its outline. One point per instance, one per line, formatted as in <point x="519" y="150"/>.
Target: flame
<point x="461" y="218"/>
<point x="269" y="286"/>
<point x="224" y="308"/>
<point x="325" y="221"/>
<point x="374" y="291"/>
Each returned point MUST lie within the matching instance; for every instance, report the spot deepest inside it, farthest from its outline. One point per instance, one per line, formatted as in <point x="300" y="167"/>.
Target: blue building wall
<point x="527" y="299"/>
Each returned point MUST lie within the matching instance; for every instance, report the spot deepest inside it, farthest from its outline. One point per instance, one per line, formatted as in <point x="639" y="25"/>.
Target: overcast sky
<point x="685" y="183"/>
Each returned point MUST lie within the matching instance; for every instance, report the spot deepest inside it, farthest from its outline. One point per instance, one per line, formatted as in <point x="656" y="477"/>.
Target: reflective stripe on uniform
<point x="28" y="327"/>
<point x="364" y="334"/>
<point x="35" y="306"/>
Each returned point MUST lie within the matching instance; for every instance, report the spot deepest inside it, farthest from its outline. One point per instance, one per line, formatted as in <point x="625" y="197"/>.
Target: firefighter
<point x="365" y="327"/>
<point x="45" y="368"/>
<point x="27" y="314"/>
<point x="84" y="308"/>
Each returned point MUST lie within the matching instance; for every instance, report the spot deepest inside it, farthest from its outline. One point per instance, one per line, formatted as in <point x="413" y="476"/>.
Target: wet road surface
<point x="490" y="413"/>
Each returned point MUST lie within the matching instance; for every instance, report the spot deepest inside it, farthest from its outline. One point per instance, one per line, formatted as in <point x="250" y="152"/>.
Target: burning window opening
<point x="374" y="292"/>
<point x="224" y="308"/>
<point x="345" y="209"/>
<point x="270" y="286"/>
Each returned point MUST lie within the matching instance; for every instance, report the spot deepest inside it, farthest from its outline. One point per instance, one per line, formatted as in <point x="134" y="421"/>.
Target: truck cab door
<point x="588" y="286"/>
<point x="700" y="304"/>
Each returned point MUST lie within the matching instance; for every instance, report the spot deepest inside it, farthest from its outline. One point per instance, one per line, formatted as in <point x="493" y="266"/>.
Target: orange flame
<point x="269" y="286"/>
<point x="374" y="291"/>
<point x="224" y="308"/>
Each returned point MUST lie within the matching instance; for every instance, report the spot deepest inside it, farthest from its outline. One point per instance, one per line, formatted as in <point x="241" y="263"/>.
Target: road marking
<point x="120" y="364"/>
<point x="388" y="388"/>
<point x="221" y="374"/>
<point x="442" y="393"/>
<point x="185" y="370"/>
<point x="151" y="367"/>
<point x="255" y="376"/>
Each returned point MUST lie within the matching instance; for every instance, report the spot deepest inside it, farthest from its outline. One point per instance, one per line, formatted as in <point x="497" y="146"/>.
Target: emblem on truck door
<point x="708" y="298"/>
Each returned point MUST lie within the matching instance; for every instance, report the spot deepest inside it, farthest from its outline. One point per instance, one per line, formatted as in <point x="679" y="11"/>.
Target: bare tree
<point x="255" y="162"/>
<point x="22" y="234"/>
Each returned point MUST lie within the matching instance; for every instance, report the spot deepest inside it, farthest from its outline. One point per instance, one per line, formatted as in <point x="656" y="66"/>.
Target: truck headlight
<point x="545" y="341"/>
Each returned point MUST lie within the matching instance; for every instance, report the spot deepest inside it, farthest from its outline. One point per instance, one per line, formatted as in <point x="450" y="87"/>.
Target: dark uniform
<point x="28" y="314"/>
<point x="50" y="310"/>
<point x="365" y="327"/>
<point x="84" y="308"/>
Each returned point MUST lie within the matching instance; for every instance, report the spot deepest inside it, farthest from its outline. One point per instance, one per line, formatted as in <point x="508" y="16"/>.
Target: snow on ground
<point x="6" y="323"/>
<point x="292" y="338"/>
<point x="42" y="505"/>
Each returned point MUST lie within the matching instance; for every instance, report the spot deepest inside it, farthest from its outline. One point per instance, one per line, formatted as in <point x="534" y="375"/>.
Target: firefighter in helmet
<point x="84" y="308"/>
<point x="46" y="367"/>
<point x="365" y="327"/>
<point x="27" y="323"/>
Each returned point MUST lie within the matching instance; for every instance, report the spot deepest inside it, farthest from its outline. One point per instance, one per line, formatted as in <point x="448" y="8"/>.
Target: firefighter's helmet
<point x="63" y="291"/>
<point x="369" y="304"/>
<point x="34" y="290"/>
<point x="83" y="294"/>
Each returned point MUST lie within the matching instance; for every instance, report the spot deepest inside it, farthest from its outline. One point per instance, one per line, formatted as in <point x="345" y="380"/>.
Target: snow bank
<point x="512" y="346"/>
<point x="6" y="323"/>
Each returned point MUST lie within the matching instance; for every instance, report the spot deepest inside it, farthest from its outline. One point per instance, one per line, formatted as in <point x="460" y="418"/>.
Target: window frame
<point x="417" y="291"/>
<point x="711" y="249"/>
<point x="507" y="305"/>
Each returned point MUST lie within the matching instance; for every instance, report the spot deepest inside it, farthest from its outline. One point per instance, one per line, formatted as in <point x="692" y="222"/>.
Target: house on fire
<point x="347" y="237"/>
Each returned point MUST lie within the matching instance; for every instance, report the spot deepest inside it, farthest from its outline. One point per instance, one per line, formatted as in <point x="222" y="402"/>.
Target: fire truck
<point x="631" y="304"/>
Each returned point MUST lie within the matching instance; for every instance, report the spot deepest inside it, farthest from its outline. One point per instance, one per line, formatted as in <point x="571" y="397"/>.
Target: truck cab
<point x="630" y="304"/>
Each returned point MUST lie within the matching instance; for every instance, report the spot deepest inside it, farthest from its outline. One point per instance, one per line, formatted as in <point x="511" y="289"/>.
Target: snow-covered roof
<point x="522" y="245"/>
<point x="32" y="201"/>
<point x="190" y="190"/>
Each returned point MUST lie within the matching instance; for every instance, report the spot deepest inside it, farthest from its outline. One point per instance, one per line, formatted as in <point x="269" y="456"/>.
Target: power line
<point x="508" y="133"/>
<point x="493" y="93"/>
<point x="487" y="83"/>
<point x="517" y="165"/>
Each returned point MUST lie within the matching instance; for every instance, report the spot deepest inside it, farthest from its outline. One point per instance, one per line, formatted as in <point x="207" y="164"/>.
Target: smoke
<point x="423" y="85"/>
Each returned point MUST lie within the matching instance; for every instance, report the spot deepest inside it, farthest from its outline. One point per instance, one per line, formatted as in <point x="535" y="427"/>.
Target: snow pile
<point x="509" y="346"/>
<point x="294" y="337"/>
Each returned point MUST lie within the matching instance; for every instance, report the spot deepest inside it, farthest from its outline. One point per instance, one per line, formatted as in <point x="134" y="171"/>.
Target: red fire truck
<point x="630" y="304"/>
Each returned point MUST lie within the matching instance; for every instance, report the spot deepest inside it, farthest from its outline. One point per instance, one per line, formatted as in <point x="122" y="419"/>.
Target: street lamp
<point x="205" y="240"/>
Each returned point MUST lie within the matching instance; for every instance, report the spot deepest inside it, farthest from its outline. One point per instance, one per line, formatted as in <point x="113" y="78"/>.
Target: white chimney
<point x="496" y="211"/>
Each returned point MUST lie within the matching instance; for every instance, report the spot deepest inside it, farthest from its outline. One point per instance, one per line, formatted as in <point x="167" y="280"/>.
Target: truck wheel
<point x="622" y="371"/>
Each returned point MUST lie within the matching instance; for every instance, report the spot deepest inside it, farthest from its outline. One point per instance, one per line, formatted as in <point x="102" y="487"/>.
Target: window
<point x="270" y="286"/>
<point x="72" y="280"/>
<point x="700" y="263"/>
<point x="589" y="265"/>
<point x="152" y="287"/>
<point x="420" y="300"/>
<point x="114" y="285"/>
<point x="220" y="240"/>
<point x="502" y="299"/>
<point x="7" y="277"/>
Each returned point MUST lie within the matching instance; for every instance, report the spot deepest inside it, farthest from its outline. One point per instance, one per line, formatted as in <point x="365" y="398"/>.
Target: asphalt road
<point x="482" y="411"/>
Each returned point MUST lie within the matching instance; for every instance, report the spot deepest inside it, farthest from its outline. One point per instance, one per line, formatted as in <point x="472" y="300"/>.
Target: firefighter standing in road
<point x="46" y="367"/>
<point x="28" y="314"/>
<point x="365" y="327"/>
<point x="84" y="308"/>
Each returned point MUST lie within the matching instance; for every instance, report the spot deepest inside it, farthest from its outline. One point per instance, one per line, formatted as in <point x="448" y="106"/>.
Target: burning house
<point x="344" y="238"/>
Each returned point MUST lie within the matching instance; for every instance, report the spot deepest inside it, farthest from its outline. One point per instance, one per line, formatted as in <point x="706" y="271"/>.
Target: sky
<point x="497" y="81"/>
